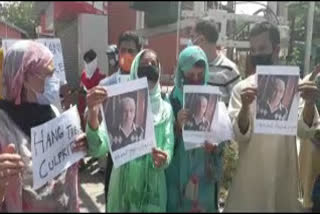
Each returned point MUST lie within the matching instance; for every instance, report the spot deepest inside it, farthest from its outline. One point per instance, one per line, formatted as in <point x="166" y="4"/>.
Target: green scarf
<point x="159" y="114"/>
<point x="187" y="58"/>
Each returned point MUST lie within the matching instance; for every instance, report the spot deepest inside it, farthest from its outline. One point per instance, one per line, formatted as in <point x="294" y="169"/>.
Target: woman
<point x="26" y="66"/>
<point x="192" y="177"/>
<point x="137" y="186"/>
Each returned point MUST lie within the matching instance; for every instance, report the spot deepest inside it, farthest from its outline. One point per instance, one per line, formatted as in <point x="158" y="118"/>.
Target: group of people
<point x="170" y="179"/>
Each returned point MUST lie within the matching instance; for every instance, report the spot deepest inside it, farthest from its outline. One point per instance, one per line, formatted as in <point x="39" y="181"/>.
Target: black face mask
<point x="149" y="71"/>
<point x="191" y="82"/>
<point x="262" y="59"/>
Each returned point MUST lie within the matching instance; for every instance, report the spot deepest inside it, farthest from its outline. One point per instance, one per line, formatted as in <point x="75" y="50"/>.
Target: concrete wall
<point x="93" y="34"/>
<point x="67" y="31"/>
<point x="120" y="18"/>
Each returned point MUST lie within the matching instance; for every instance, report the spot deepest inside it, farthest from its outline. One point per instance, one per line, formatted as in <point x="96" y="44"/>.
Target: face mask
<point x="51" y="92"/>
<point x="262" y="59"/>
<point x="192" y="82"/>
<point x="187" y="81"/>
<point x="149" y="71"/>
<point x="91" y="67"/>
<point x="125" y="62"/>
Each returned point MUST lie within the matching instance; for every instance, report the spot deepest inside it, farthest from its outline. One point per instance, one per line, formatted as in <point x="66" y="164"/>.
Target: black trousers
<point x="107" y="177"/>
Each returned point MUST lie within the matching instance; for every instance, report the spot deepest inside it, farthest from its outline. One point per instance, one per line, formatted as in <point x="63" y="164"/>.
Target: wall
<point x="165" y="46"/>
<point x="93" y="34"/>
<point x="11" y="33"/>
<point x="67" y="31"/>
<point x="120" y="18"/>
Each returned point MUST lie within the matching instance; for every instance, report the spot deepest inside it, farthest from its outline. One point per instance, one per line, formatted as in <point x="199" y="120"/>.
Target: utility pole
<point x="309" y="38"/>
<point x="178" y="30"/>
<point x="231" y="24"/>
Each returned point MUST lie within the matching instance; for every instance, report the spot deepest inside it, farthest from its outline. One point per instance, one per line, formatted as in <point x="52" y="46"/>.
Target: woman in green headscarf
<point x="193" y="175"/>
<point x="140" y="185"/>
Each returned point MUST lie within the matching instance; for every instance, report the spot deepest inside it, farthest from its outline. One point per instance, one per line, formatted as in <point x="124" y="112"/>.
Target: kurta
<point x="267" y="173"/>
<point x="137" y="186"/>
<point x="309" y="159"/>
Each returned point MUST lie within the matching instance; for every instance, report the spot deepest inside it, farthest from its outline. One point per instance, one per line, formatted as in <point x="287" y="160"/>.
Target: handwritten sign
<point x="51" y="145"/>
<point x="277" y="100"/>
<point x="7" y="43"/>
<point x="54" y="46"/>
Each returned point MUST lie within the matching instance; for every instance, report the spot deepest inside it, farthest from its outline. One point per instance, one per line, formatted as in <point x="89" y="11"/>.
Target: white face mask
<point x="91" y="67"/>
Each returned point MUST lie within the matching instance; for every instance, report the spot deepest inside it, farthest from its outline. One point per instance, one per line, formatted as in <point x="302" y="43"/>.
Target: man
<point x="127" y="132"/>
<point x="223" y="72"/>
<point x="267" y="174"/>
<point x="271" y="107"/>
<point x="129" y="45"/>
<point x="198" y="122"/>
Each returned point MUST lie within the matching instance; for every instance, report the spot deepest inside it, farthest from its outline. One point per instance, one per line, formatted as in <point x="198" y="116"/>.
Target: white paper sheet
<point x="137" y="144"/>
<point x="51" y="145"/>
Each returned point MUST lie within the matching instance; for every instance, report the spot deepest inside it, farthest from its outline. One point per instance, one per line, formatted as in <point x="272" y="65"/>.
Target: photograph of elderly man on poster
<point x="201" y="107"/>
<point x="275" y="96"/>
<point x="126" y="118"/>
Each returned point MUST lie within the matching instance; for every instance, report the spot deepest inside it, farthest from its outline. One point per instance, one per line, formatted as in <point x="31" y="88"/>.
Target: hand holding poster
<point x="201" y="102"/>
<point x="51" y="145"/>
<point x="221" y="127"/>
<point x="277" y="100"/>
<point x="128" y="118"/>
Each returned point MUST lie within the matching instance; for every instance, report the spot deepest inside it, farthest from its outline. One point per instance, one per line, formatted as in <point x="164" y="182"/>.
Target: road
<point x="91" y="189"/>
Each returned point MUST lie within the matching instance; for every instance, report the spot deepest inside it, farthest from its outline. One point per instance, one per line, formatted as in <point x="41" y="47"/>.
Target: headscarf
<point x="154" y="94"/>
<point x="22" y="59"/>
<point x="187" y="58"/>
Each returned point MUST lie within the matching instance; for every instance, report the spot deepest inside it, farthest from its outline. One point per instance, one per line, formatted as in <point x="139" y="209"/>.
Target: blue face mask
<point x="51" y="91"/>
<point x="51" y="94"/>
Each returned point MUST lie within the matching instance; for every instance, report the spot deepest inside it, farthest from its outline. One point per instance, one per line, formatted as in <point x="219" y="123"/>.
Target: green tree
<point x="21" y="15"/>
<point x="297" y="17"/>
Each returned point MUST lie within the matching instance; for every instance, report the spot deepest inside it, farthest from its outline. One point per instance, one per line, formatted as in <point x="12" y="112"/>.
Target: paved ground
<point x="91" y="189"/>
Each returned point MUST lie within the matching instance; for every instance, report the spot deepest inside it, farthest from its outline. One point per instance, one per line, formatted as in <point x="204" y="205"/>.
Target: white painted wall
<point x="93" y="34"/>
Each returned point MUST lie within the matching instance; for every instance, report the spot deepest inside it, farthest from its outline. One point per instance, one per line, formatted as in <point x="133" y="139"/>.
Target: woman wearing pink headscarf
<point x="26" y="67"/>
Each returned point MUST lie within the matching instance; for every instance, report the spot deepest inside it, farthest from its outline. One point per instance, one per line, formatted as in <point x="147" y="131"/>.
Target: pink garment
<point x="23" y="58"/>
